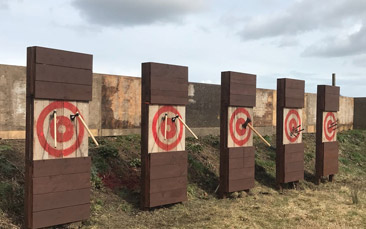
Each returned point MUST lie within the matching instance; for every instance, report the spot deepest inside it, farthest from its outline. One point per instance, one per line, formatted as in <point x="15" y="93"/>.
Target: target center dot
<point x="61" y="129"/>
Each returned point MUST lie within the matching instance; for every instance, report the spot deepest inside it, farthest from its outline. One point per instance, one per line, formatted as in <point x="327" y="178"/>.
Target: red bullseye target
<point x="239" y="135"/>
<point x="65" y="129"/>
<point x="329" y="126"/>
<point x="174" y="129"/>
<point x="292" y="126"/>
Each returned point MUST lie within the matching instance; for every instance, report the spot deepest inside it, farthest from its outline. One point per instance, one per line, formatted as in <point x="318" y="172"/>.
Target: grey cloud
<point x="137" y="12"/>
<point x="353" y="44"/>
<point x="304" y="16"/>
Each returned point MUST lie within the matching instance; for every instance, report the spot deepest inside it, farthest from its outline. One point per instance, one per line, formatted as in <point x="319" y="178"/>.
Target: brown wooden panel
<point x="61" y="183"/>
<point x="63" y="58"/>
<point x="242" y="173"/>
<point x="61" y="216"/>
<point x="235" y="163"/>
<point x="294" y="176"/>
<point x="51" y="73"/>
<point x="43" y="168"/>
<point x="242" y="89"/>
<point x="168" y="83"/>
<point x="168" y="158"/>
<point x="294" y="166"/>
<point x="168" y="197"/>
<point x="168" y="171"/>
<point x="331" y="102"/>
<point x="294" y="102"/>
<point x="330" y="150"/>
<point x="242" y="78"/>
<point x="295" y="84"/>
<point x="171" y="100"/>
<point x="242" y="184"/>
<point x="166" y="184"/>
<point x="238" y="152"/>
<point x="334" y="90"/>
<point x="62" y="91"/>
<point x="294" y="93"/>
<point x="242" y="100"/>
<point x="55" y="200"/>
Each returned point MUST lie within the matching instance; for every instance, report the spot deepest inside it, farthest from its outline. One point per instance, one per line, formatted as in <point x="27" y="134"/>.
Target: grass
<point x="115" y="193"/>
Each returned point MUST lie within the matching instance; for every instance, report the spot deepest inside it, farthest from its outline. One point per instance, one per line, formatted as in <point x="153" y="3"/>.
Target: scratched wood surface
<point x="238" y="136"/>
<point x="174" y="141"/>
<point x="294" y="122"/>
<point x="68" y="144"/>
<point x="329" y="129"/>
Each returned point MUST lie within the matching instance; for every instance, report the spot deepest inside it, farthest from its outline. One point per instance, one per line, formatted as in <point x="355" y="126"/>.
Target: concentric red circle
<point x="62" y="122"/>
<point x="41" y="137"/>
<point x="171" y="131"/>
<point x="239" y="127"/>
<point x="291" y="124"/>
<point x="329" y="133"/>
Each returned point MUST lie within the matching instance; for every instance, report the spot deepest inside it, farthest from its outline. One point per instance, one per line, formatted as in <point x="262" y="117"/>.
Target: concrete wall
<point x="360" y="112"/>
<point x="115" y="109"/>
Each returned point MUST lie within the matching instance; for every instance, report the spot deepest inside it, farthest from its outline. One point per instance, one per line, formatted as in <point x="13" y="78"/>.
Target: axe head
<point x="247" y="122"/>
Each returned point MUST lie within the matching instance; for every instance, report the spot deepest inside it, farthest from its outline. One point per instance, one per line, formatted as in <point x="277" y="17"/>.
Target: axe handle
<point x="55" y="127"/>
<point x="259" y="135"/>
<point x="86" y="127"/>
<point x="195" y="136"/>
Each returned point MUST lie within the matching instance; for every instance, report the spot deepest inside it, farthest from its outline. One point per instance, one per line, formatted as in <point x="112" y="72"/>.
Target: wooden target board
<point x="237" y="165"/>
<point x="163" y="156"/>
<point x="326" y="162"/>
<point x="71" y="136"/>
<point x="238" y="136"/>
<point x="57" y="182"/>
<point x="166" y="131"/>
<point x="292" y="126"/>
<point x="289" y="146"/>
<point x="329" y="127"/>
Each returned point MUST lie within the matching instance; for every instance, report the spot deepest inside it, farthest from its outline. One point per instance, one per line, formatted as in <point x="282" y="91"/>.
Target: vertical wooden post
<point x="333" y="79"/>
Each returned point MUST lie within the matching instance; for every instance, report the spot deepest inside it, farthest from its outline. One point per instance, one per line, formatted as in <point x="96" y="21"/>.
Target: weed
<point x="194" y="148"/>
<point x="136" y="162"/>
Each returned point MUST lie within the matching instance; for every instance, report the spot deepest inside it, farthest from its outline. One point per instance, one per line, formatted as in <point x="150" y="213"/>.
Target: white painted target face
<point x="238" y="136"/>
<point x="329" y="128"/>
<point x="71" y="136"/>
<point x="166" y="132"/>
<point x="292" y="126"/>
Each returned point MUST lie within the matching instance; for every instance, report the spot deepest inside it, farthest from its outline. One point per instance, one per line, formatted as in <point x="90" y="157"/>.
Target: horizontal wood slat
<point x="59" y="183"/>
<point x="63" y="58"/>
<point x="239" y="152"/>
<point x="171" y="100"/>
<point x="242" y="100"/>
<point x="242" y="173"/>
<point x="294" y="84"/>
<point x="242" y="184"/>
<point x="55" y="200"/>
<point x="166" y="184"/>
<point x="64" y="166"/>
<point x="61" y="216"/>
<point x="168" y="158"/>
<point x="62" y="91"/>
<point x="168" y="171"/>
<point x="294" y="176"/>
<point x="294" y="166"/>
<point x="57" y="74"/>
<point x="294" y="102"/>
<point x="168" y="197"/>
<point x="235" y="163"/>
<point x="242" y="89"/>
<point x="242" y="78"/>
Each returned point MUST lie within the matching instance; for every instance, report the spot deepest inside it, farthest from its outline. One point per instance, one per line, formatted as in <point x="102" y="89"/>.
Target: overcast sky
<point x="307" y="39"/>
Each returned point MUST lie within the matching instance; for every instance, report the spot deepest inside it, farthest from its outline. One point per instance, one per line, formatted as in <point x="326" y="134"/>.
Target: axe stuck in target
<point x="72" y="117"/>
<point x="247" y="124"/>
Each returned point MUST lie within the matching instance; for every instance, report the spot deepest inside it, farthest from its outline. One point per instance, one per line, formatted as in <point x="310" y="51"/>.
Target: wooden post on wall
<point x="289" y="146"/>
<point x="57" y="180"/>
<point x="326" y="163"/>
<point x="238" y="97"/>
<point x="163" y="155"/>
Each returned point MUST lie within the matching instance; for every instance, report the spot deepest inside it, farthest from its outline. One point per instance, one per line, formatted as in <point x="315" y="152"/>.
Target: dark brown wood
<point x="165" y="84"/>
<point x="62" y="91"/>
<point x="326" y="161"/>
<point x="289" y="157"/>
<point x="57" y="74"/>
<point x="42" y="202"/>
<point x="61" y="216"/>
<point x="167" y="184"/>
<point x="168" y="158"/>
<point x="63" y="58"/>
<point x="61" y="166"/>
<point x="168" y="197"/>
<point x="168" y="171"/>
<point x="237" y="163"/>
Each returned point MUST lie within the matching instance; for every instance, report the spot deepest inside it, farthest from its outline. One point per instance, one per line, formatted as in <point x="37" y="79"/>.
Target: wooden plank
<point x="243" y="78"/>
<point x="178" y="85"/>
<point x="42" y="168"/>
<point x="294" y="102"/>
<point x="168" y="158"/>
<point x="60" y="216"/>
<point x="169" y="70"/>
<point x="294" y="93"/>
<point x="334" y="90"/>
<point x="55" y="200"/>
<point x="294" y="166"/>
<point x="63" y="58"/>
<point x="62" y="91"/>
<point x="171" y="100"/>
<point x="241" y="162"/>
<point x="241" y="173"/>
<point x="242" y="100"/>
<point x="331" y="102"/>
<point x="242" y="184"/>
<point x="293" y="176"/>
<point x="60" y="183"/>
<point x="242" y="89"/>
<point x="168" y="171"/>
<point x="51" y="73"/>
<point x="239" y="152"/>
<point x="166" y="184"/>
<point x="294" y="157"/>
<point x="295" y="84"/>
<point x="168" y="197"/>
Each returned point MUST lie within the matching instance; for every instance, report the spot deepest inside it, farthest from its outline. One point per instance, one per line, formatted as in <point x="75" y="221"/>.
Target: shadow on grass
<point x="263" y="177"/>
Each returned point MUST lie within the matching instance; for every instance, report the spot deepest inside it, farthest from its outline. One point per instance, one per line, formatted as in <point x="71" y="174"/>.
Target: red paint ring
<point x="41" y="138"/>
<point x="161" y="144"/>
<point x="69" y="132"/>
<point x="292" y="122"/>
<point x="326" y="126"/>
<point x="239" y="123"/>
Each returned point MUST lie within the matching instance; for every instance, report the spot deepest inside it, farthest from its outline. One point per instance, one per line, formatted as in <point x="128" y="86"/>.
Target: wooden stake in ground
<point x="86" y="127"/>
<point x="195" y="136"/>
